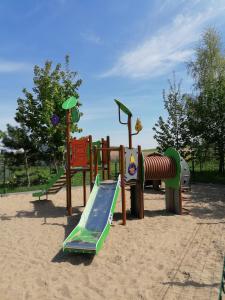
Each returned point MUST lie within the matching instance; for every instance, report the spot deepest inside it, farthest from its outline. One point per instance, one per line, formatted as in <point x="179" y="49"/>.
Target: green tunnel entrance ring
<point x="174" y="182"/>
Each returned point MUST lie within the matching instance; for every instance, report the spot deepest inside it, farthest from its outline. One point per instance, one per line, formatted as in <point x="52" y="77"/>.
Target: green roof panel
<point x="123" y="108"/>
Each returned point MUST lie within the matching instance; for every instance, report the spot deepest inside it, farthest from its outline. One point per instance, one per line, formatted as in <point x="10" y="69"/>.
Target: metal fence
<point x="18" y="177"/>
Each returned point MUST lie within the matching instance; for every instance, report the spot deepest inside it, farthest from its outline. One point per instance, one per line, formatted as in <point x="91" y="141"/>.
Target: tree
<point x="171" y="133"/>
<point x="198" y="148"/>
<point x="17" y="138"/>
<point x="208" y="72"/>
<point x="52" y="86"/>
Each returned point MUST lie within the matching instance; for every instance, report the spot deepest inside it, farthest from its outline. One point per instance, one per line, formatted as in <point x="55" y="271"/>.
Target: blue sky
<point x="124" y="49"/>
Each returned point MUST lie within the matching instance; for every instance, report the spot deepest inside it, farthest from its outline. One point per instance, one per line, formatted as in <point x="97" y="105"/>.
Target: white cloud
<point x="172" y="44"/>
<point x="11" y="66"/>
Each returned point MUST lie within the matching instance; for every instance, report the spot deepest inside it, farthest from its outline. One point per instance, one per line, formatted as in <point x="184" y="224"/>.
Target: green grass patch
<point x="207" y="172"/>
<point x="208" y="177"/>
<point x="20" y="189"/>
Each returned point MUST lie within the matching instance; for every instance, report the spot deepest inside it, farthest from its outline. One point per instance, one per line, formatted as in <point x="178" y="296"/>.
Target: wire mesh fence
<point x="19" y="177"/>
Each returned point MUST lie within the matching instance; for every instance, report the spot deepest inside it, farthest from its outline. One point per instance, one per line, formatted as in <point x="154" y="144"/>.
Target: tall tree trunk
<point x="221" y="162"/>
<point x="27" y="169"/>
<point x="193" y="166"/>
<point x="221" y="155"/>
<point x="200" y="164"/>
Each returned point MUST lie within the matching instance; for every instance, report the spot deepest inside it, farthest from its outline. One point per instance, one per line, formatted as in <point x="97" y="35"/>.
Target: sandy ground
<point x="163" y="256"/>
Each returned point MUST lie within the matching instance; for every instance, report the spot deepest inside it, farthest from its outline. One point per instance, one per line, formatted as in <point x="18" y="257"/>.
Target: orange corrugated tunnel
<point x="159" y="167"/>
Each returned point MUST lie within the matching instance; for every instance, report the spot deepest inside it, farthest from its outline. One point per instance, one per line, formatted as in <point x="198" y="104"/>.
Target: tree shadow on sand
<point x="207" y="201"/>
<point x="4" y="217"/>
<point x="191" y="283"/>
<point x="117" y="216"/>
<point x="41" y="209"/>
<point x="47" y="210"/>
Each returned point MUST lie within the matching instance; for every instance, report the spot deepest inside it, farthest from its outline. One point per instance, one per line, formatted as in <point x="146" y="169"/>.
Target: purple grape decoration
<point x="55" y="120"/>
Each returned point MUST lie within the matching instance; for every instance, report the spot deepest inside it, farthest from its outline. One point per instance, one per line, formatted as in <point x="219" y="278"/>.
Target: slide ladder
<point x="55" y="184"/>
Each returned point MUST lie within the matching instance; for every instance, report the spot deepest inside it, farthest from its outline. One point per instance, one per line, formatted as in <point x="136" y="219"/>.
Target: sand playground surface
<point x="163" y="256"/>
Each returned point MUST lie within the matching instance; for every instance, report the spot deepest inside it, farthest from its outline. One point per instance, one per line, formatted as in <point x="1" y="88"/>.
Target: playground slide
<point x="88" y="236"/>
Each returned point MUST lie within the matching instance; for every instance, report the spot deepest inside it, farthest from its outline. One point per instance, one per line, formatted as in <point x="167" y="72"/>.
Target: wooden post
<point x="129" y="132"/>
<point x="123" y="196"/>
<point x="133" y="188"/>
<point x="95" y="161"/>
<point x="84" y="187"/>
<point x="103" y="166"/>
<point x="108" y="157"/>
<point x="91" y="162"/>
<point x="68" y="176"/>
<point x="140" y="183"/>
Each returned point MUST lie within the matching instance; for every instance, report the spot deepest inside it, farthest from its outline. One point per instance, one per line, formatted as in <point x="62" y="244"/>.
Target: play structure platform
<point x="88" y="236"/>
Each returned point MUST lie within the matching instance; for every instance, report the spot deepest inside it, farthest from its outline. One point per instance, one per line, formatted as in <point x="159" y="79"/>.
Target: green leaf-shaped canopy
<point x="70" y="103"/>
<point x="123" y="108"/>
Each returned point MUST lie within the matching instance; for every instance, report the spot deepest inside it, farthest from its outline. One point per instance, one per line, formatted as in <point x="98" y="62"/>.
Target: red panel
<point x="79" y="152"/>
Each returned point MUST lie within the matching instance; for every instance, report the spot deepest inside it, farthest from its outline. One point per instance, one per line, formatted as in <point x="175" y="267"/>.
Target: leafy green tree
<point x="52" y="86"/>
<point x="16" y="138"/>
<point x="198" y="149"/>
<point x="171" y="133"/>
<point x="208" y="72"/>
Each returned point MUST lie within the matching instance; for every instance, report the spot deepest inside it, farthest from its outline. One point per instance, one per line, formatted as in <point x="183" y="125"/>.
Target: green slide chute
<point x="88" y="236"/>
